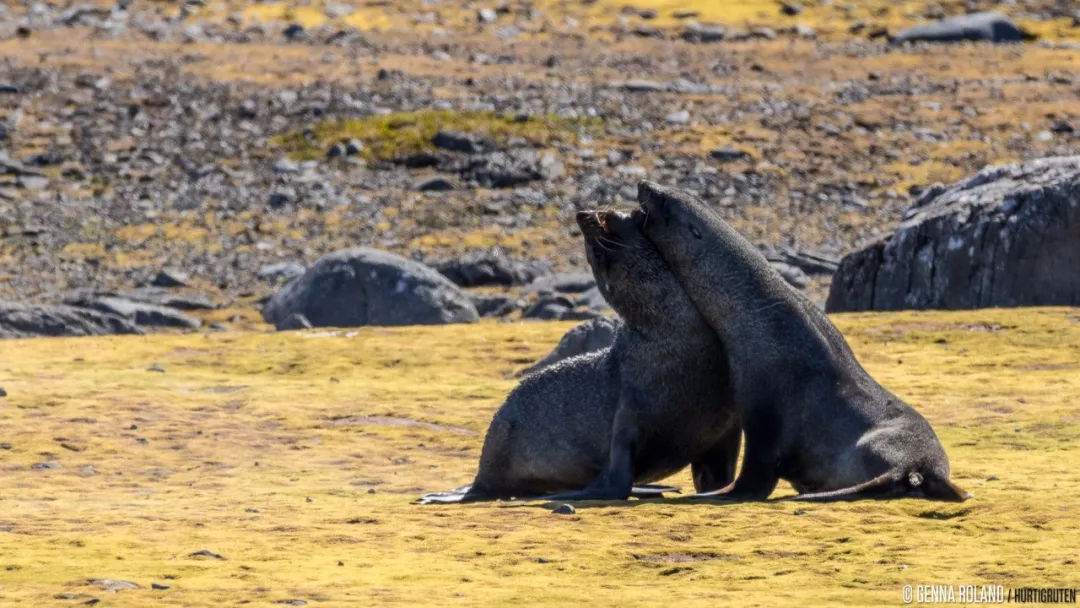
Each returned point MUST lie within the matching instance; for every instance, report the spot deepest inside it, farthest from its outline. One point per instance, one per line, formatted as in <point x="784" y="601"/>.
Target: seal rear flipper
<point x="886" y="485"/>
<point x="455" y="496"/>
<point x="653" y="491"/>
<point x="943" y="489"/>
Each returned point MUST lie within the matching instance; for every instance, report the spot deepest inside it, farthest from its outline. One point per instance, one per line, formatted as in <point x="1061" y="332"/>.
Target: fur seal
<point x="810" y="413"/>
<point x="656" y="400"/>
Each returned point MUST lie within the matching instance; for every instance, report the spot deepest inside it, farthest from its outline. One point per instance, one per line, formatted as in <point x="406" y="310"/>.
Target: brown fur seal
<point x="810" y="413"/>
<point x="655" y="401"/>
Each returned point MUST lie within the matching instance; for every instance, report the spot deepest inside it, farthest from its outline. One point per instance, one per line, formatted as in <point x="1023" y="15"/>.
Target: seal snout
<point x="590" y="222"/>
<point x="652" y="199"/>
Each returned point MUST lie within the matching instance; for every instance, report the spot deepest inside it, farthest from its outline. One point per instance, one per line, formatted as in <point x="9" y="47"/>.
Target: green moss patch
<point x="390" y="137"/>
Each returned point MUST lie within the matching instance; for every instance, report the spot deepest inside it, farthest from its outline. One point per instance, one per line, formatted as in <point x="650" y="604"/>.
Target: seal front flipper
<point x="617" y="479"/>
<point x="716" y="469"/>
<point x="758" y="476"/>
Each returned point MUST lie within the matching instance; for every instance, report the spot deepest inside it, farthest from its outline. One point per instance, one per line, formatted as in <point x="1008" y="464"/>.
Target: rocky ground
<point x="231" y="145"/>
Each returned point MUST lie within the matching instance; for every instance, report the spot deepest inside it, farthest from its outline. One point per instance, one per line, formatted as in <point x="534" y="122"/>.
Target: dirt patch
<point x="680" y="558"/>
<point x="396" y="421"/>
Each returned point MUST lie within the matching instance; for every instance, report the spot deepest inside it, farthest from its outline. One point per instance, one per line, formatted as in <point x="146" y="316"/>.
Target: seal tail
<point x="894" y="484"/>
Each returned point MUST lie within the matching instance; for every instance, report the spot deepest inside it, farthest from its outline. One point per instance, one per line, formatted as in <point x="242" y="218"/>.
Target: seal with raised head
<point x="656" y="400"/>
<point x="809" y="412"/>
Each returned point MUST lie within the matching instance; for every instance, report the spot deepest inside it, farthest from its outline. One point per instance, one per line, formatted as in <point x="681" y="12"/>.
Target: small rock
<point x="112" y="585"/>
<point x="170" y="278"/>
<point x="487" y="15"/>
<point x="681" y="117"/>
<point x="1062" y="126"/>
<point x="353" y="147"/>
<point x="336" y="151"/>
<point x="462" y="142"/>
<point x="293" y="31"/>
<point x="158" y="586"/>
<point x="49" y="464"/>
<point x="156" y="368"/>
<point x="642" y="86"/>
<point x="206" y="553"/>
<point x="790" y="8"/>
<point x="434" y="184"/>
<point x="31" y="182"/>
<point x="3" y="393"/>
<point x="792" y="274"/>
<point x="285" y="165"/>
<point x="280" y="271"/>
<point x="698" y="33"/>
<point x="281" y="198"/>
<point x="564" y="509"/>
<point x="728" y="154"/>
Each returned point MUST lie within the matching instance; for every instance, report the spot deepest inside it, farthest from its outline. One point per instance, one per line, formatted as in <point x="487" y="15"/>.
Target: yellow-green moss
<point x="399" y="134"/>
<point x="262" y="447"/>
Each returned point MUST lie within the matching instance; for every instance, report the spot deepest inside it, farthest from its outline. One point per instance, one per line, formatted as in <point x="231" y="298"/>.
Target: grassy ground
<point x="294" y="456"/>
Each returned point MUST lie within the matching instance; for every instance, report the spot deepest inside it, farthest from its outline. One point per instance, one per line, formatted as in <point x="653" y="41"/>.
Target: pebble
<point x="564" y="509"/>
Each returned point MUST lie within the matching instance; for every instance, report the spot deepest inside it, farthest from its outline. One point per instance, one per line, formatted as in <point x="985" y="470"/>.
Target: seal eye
<point x="695" y="232"/>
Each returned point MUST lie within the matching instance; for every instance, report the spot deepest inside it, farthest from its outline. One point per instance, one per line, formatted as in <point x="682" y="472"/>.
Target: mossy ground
<point x="264" y="447"/>
<point x="395" y="136"/>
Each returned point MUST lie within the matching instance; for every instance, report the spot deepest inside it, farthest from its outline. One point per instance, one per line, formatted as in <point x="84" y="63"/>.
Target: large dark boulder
<point x="363" y="286"/>
<point x="1007" y="236"/>
<point x="138" y="312"/>
<point x="25" y="321"/>
<point x="988" y="27"/>
<point x="491" y="268"/>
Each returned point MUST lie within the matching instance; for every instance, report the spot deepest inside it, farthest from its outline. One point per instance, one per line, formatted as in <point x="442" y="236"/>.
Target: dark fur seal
<point x="810" y="413"/>
<point x="655" y="401"/>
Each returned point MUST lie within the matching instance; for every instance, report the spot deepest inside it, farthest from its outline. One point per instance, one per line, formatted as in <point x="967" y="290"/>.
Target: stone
<point x="140" y="313"/>
<point x="699" y="33"/>
<point x="564" y="509"/>
<point x="681" y="117"/>
<point x="25" y="320"/>
<point x="364" y="286"/>
<point x="728" y="154"/>
<point x="791" y="8"/>
<point x="554" y="307"/>
<point x="792" y="274"/>
<point x="495" y="305"/>
<point x="643" y="86"/>
<point x="169" y="277"/>
<point x="491" y="268"/>
<point x="986" y="26"/>
<point x="458" y="141"/>
<point x="281" y="271"/>
<point x="563" y="282"/>
<point x="435" y="183"/>
<point x="1003" y="237"/>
